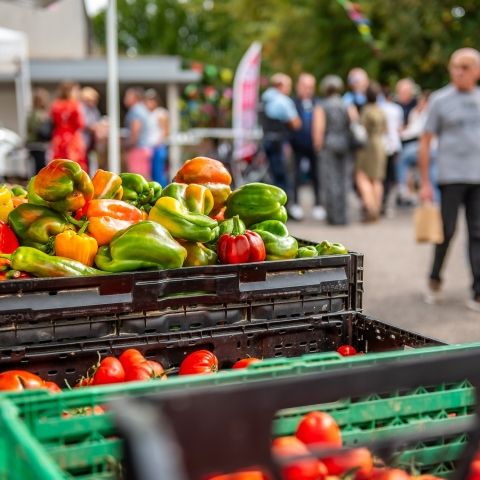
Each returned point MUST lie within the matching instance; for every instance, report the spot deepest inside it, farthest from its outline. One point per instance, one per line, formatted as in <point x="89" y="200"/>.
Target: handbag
<point x="428" y="224"/>
<point x="358" y="135"/>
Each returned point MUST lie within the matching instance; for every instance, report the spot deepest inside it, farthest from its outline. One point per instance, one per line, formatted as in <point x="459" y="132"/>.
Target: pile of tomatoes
<point x="317" y="430"/>
<point x="130" y="366"/>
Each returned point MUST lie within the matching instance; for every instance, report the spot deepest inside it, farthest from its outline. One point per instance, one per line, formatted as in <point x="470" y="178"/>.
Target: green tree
<point x="416" y="37"/>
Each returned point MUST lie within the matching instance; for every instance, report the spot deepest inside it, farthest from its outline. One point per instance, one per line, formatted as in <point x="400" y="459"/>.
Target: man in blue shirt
<point x="279" y="117"/>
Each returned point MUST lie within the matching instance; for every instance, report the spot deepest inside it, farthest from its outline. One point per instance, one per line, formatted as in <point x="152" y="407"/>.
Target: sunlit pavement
<point x="396" y="269"/>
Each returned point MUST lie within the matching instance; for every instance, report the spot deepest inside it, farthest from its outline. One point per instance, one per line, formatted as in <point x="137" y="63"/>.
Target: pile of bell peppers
<point x="68" y="224"/>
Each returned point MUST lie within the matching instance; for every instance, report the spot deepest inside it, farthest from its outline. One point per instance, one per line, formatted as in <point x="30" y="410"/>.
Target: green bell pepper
<point x="35" y="262"/>
<point x="144" y="245"/>
<point x="36" y="226"/>
<point x="256" y="202"/>
<point x="157" y="191"/>
<point x="196" y="198"/>
<point x="278" y="243"/>
<point x="198" y="255"/>
<point x="306" y="252"/>
<point x="136" y="189"/>
<point x="181" y="223"/>
<point x="328" y="248"/>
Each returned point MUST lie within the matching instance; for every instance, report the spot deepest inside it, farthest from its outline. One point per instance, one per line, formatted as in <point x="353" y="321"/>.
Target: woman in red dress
<point x="68" y="122"/>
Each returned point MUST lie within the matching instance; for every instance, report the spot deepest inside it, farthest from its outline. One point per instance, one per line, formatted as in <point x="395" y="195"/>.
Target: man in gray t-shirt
<point x="454" y="118"/>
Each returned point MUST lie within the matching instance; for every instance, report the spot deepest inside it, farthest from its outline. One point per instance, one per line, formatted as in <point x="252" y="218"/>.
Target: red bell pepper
<point x="8" y="240"/>
<point x="241" y="246"/>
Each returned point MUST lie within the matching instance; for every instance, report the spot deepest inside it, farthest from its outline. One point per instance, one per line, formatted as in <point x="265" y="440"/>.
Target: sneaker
<point x="295" y="212"/>
<point x="434" y="295"/>
<point x="474" y="304"/>
<point x="319" y="213"/>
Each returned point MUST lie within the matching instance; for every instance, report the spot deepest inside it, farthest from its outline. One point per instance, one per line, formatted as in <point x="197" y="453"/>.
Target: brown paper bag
<point x="428" y="224"/>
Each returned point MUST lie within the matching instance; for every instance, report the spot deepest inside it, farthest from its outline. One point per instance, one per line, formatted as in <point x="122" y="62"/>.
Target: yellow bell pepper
<point x="77" y="246"/>
<point x="6" y="202"/>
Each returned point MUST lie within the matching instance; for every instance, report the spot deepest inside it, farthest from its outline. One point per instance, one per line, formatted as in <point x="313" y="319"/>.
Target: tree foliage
<point x="416" y="37"/>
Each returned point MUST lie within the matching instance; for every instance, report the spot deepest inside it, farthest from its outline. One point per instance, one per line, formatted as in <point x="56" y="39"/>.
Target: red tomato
<point x="474" y="469"/>
<point x="309" y="469"/>
<point x="144" y="371"/>
<point x="319" y="428"/>
<point x="52" y="387"/>
<point x="347" y="350"/>
<point x="245" y="362"/>
<point x="393" y="474"/>
<point x="199" y="362"/>
<point x="110" y="370"/>
<point x="20" y="380"/>
<point x="131" y="357"/>
<point x="359" y="460"/>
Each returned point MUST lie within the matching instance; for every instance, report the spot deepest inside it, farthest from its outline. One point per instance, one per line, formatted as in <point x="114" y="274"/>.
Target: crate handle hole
<point x="52" y="372"/>
<point x="70" y="370"/>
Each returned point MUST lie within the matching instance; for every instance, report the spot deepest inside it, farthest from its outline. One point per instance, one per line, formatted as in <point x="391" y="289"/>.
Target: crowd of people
<point x="366" y="139"/>
<point x="71" y="126"/>
<point x="371" y="139"/>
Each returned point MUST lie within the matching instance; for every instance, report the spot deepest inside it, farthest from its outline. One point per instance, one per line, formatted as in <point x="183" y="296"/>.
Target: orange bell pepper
<point x="108" y="217"/>
<point x="103" y="229"/>
<point x="107" y="185"/>
<point x="77" y="246"/>
<point x="203" y="170"/>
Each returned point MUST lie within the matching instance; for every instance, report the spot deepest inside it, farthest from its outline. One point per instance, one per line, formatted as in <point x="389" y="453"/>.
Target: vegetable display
<point x="66" y="224"/>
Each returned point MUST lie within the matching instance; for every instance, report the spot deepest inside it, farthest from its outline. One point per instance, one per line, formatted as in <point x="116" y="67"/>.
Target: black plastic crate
<point x="53" y="310"/>
<point x="268" y="339"/>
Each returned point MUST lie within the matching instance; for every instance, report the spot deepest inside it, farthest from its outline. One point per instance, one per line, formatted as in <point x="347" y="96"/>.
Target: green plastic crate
<point x="39" y="442"/>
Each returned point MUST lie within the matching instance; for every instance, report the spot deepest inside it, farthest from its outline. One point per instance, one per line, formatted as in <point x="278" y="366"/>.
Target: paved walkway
<point x="395" y="276"/>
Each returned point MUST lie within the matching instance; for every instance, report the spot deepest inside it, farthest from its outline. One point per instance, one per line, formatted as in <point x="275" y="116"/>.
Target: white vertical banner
<point x="246" y="87"/>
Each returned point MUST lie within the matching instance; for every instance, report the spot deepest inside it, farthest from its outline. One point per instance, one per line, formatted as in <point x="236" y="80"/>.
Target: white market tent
<point x="14" y="64"/>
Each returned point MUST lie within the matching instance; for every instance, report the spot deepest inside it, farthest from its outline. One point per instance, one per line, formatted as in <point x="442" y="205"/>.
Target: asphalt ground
<point x="396" y="272"/>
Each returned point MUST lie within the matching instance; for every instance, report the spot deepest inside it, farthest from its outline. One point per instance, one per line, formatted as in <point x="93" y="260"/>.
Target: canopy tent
<point x="14" y="66"/>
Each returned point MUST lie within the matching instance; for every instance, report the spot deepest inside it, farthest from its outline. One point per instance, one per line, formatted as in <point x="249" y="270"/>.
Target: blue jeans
<point x="408" y="159"/>
<point x="159" y="165"/>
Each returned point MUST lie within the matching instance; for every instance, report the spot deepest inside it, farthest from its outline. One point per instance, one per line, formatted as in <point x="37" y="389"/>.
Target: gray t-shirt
<point x="454" y="116"/>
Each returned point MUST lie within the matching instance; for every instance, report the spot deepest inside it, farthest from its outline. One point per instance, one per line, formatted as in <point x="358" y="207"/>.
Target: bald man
<point x="454" y="118"/>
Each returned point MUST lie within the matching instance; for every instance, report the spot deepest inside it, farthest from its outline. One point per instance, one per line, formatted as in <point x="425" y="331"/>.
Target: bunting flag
<point x="354" y="12"/>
